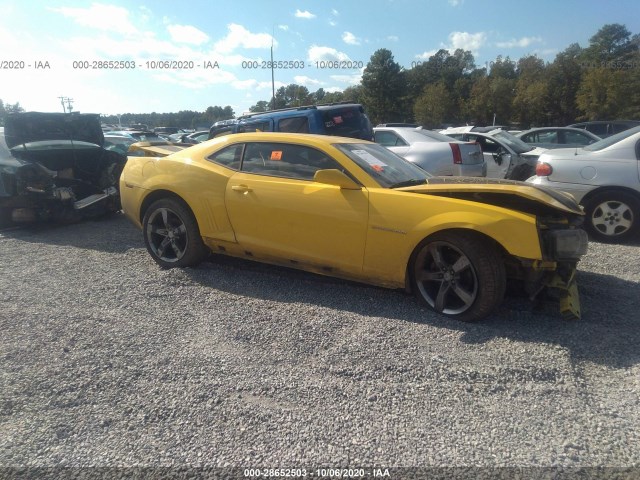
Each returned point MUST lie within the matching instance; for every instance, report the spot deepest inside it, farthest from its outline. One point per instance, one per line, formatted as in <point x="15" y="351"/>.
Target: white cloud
<point x="467" y="41"/>
<point x="283" y="27"/>
<point x="187" y="34"/>
<point x="306" y="81"/>
<point x="522" y="42"/>
<point x="456" y="3"/>
<point x="393" y="38"/>
<point x="350" y="38"/>
<point x="305" y="14"/>
<point x="332" y="23"/>
<point x="239" y="36"/>
<point x="317" y="53"/>
<point x="101" y="17"/>
<point x="334" y="12"/>
<point x="464" y="40"/>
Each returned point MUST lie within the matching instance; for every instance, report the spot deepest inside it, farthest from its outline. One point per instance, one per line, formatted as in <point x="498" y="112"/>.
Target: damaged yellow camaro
<point x="351" y="208"/>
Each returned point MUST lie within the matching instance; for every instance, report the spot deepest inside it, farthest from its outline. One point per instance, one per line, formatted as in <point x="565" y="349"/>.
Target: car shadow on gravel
<point x="111" y="233"/>
<point x="607" y="334"/>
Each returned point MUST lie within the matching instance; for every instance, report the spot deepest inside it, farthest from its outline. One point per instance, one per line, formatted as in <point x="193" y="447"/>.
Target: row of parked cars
<point x="307" y="188"/>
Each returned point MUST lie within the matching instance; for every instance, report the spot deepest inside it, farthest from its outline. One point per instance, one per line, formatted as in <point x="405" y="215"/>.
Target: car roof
<point x="296" y="110"/>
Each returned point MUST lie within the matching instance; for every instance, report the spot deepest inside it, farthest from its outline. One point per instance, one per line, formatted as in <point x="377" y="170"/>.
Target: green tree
<point x="530" y="100"/>
<point x="611" y="43"/>
<point x="261" y="106"/>
<point x="564" y="76"/>
<point x="353" y="94"/>
<point x="503" y="68"/>
<point x="603" y="93"/>
<point x="383" y="87"/>
<point x="434" y="107"/>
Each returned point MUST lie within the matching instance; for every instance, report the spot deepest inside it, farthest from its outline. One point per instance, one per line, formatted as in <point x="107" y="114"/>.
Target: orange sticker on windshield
<point x="276" y="155"/>
<point x="377" y="168"/>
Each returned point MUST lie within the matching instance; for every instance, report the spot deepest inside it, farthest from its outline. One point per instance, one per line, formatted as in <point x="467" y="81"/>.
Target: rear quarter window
<point x="294" y="125"/>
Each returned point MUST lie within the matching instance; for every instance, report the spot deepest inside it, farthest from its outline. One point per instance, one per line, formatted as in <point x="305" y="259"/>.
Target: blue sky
<point x="55" y="34"/>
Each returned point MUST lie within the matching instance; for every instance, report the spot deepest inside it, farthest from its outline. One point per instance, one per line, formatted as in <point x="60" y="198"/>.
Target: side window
<point x="599" y="129"/>
<point x="528" y="138"/>
<point x="229" y="157"/>
<point x="255" y="127"/>
<point x="388" y="139"/>
<point x="490" y="146"/>
<point x="638" y="150"/>
<point x="547" y="136"/>
<point x="294" y="125"/>
<point x="285" y="160"/>
<point x="577" y="138"/>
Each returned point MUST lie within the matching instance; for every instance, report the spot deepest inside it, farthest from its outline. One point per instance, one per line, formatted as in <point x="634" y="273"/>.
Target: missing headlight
<point x="567" y="244"/>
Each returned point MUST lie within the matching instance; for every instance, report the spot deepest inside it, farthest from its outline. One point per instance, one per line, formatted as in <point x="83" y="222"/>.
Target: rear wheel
<point x="171" y="234"/>
<point x="459" y="274"/>
<point x="612" y="216"/>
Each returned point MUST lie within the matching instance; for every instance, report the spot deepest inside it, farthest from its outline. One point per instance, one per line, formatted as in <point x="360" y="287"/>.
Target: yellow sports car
<point x="353" y="209"/>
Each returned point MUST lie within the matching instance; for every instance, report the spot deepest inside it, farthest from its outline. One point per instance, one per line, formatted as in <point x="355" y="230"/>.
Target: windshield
<point x="513" y="142"/>
<point x="607" y="142"/>
<point x="387" y="168"/>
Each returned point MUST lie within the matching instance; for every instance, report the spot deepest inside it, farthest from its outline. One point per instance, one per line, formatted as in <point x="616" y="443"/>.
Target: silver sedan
<point x="436" y="153"/>
<point x="604" y="178"/>
<point x="558" y="137"/>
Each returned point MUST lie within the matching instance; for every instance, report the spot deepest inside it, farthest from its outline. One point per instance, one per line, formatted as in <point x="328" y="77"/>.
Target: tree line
<point x="600" y="81"/>
<point x="182" y="119"/>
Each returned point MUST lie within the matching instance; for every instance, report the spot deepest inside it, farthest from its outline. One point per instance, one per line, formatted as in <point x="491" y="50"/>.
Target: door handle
<point x="240" y="188"/>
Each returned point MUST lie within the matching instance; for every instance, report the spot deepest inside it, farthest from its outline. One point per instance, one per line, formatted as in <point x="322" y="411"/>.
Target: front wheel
<point x="459" y="274"/>
<point x="612" y="216"/>
<point x="172" y="236"/>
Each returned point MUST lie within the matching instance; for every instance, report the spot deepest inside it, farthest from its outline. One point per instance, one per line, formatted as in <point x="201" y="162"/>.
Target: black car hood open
<point x="21" y="128"/>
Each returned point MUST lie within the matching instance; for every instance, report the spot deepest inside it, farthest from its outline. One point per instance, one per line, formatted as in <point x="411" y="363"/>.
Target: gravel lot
<point x="107" y="360"/>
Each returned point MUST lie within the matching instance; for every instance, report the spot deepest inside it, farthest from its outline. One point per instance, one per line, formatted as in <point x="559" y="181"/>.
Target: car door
<point x="278" y="212"/>
<point x="497" y="157"/>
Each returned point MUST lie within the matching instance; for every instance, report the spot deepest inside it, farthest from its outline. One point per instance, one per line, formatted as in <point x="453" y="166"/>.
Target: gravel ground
<point x="106" y="360"/>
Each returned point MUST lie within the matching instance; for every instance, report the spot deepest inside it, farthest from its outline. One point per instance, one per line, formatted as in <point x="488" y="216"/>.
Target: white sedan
<point x="604" y="177"/>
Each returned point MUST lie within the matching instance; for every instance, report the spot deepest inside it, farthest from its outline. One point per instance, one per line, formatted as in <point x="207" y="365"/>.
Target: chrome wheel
<point x="612" y="218"/>
<point x="446" y="278"/>
<point x="166" y="235"/>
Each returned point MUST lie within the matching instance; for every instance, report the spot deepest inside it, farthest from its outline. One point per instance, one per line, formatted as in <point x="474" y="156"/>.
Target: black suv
<point x="341" y="119"/>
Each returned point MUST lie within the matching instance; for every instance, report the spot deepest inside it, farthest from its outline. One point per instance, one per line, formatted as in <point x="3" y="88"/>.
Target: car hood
<point x="27" y="127"/>
<point x="504" y="193"/>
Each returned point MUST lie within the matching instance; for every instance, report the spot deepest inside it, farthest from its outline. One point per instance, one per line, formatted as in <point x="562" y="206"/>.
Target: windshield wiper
<point x="409" y="183"/>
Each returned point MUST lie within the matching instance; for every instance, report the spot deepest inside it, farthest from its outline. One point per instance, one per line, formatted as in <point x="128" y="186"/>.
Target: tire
<point x="172" y="236"/>
<point x="612" y="216"/>
<point x="458" y="274"/>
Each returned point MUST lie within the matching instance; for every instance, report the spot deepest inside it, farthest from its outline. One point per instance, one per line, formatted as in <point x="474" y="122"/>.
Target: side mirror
<point x="337" y="178"/>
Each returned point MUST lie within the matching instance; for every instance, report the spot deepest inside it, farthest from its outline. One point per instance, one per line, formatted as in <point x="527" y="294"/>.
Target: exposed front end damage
<point x="48" y="174"/>
<point x="559" y="223"/>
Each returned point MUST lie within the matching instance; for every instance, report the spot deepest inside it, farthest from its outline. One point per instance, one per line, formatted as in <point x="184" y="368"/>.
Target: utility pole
<point x="69" y="105"/>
